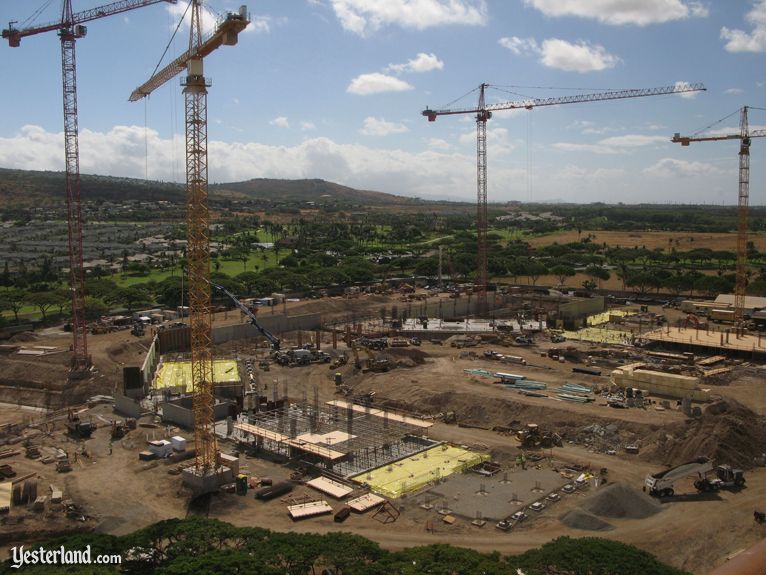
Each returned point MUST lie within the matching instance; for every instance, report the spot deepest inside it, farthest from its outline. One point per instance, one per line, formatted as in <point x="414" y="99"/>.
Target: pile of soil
<point x="406" y="356"/>
<point x="22" y="337"/>
<point x="621" y="501"/>
<point x="727" y="432"/>
<point x="580" y="519"/>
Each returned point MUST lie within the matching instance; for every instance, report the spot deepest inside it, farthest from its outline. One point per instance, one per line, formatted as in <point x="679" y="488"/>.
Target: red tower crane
<point x="70" y="28"/>
<point x="744" y="137"/>
<point x="483" y="113"/>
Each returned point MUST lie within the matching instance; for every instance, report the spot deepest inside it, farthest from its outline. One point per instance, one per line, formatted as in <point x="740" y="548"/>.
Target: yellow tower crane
<point x="197" y="221"/>
<point x="744" y="137"/>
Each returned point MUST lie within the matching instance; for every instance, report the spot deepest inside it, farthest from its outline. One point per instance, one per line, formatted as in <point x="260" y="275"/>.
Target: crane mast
<point x="743" y="200"/>
<point x="70" y="28"/>
<point x="483" y="113"/>
<point x="68" y="35"/>
<point x="197" y="219"/>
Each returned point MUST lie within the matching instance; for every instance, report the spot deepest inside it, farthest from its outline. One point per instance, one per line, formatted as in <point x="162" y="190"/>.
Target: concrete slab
<point x="463" y="494"/>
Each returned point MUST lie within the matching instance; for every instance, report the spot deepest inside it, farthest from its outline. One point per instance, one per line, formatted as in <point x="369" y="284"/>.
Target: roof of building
<point x="751" y="301"/>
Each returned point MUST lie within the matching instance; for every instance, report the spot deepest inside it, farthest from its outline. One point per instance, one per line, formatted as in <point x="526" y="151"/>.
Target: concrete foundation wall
<point x="581" y="308"/>
<point x="179" y="411"/>
<point x="127" y="406"/>
<point x="276" y="324"/>
<point x="149" y="366"/>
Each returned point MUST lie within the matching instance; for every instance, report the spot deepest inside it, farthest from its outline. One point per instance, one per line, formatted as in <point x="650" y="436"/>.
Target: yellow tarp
<point x="603" y="317"/>
<point x="178" y="373"/>
<point x="599" y="335"/>
<point x="416" y="471"/>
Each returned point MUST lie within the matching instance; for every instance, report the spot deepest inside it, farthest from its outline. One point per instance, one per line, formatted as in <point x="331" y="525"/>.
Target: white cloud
<point x="439" y="144"/>
<point x="280" y="122"/>
<point x="520" y="46"/>
<point x="306" y="126"/>
<point x="754" y="41"/>
<point x="613" y="145"/>
<point x="672" y="168"/>
<point x="555" y="53"/>
<point x="734" y="91"/>
<point x="581" y="57"/>
<point x="379" y="127"/>
<point x="421" y="63"/>
<point x="620" y="12"/>
<point x="376" y="83"/>
<point x="121" y="152"/>
<point x="593" y="148"/>
<point x="497" y="140"/>
<point x="364" y="16"/>
<point x="571" y="172"/>
<point x="634" y="141"/>
<point x="680" y="85"/>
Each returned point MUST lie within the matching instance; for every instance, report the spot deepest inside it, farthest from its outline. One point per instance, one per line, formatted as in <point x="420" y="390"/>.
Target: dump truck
<point x="661" y="484"/>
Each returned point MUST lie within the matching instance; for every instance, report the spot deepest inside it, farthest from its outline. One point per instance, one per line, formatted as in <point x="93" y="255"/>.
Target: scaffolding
<point x="344" y="440"/>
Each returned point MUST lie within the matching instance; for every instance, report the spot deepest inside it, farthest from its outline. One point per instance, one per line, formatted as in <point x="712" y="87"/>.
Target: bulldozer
<point x="77" y="427"/>
<point x="533" y="438"/>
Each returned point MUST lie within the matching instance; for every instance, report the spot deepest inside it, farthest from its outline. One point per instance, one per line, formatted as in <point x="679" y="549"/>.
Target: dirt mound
<point x="406" y="356"/>
<point x="621" y="501"/>
<point x="580" y="519"/>
<point x="23" y="337"/>
<point x="727" y="432"/>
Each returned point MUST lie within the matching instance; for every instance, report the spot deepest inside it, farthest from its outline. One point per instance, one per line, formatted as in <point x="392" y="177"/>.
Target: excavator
<point x="273" y="340"/>
<point x="373" y="363"/>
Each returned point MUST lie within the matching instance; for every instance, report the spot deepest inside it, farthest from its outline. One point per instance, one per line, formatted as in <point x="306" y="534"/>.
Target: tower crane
<point x="197" y="218"/>
<point x="744" y="137"/>
<point x="70" y="28"/>
<point x="483" y="112"/>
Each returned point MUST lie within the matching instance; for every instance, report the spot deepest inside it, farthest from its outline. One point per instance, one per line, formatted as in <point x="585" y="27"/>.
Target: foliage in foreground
<point x="211" y="547"/>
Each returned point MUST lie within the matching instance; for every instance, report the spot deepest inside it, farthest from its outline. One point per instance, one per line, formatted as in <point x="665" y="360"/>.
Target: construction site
<point x="496" y="417"/>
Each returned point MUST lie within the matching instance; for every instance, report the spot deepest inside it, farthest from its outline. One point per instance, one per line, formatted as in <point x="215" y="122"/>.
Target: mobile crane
<point x="273" y="340"/>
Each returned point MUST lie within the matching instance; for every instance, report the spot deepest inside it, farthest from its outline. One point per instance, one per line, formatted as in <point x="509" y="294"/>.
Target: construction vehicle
<point x="533" y="438"/>
<point x="694" y="321"/>
<point x="373" y="363"/>
<point x="119" y="429"/>
<point x="63" y="466"/>
<point x="273" y="340"/>
<point x="661" y="484"/>
<point x="77" y="427"/>
<point x="338" y="361"/>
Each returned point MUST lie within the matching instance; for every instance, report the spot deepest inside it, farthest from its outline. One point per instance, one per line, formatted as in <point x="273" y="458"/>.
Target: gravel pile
<point x="621" y="501"/>
<point x="578" y="518"/>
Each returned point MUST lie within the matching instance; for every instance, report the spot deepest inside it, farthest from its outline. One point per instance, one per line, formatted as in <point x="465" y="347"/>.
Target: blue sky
<point x="333" y="89"/>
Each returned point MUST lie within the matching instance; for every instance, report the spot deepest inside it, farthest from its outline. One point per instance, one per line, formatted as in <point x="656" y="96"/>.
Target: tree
<point x="597" y="272"/>
<point x="562" y="272"/>
<point x="43" y="301"/>
<point x="13" y="299"/>
<point x="534" y="269"/>
<point x="131" y="296"/>
<point x="95" y="307"/>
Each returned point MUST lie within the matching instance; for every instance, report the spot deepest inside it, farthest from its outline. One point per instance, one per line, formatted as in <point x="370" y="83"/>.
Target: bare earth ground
<point x="122" y="494"/>
<point x="681" y="241"/>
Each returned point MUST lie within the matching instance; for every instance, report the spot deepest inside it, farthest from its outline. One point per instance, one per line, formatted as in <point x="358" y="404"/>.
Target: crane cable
<point x="35" y="14"/>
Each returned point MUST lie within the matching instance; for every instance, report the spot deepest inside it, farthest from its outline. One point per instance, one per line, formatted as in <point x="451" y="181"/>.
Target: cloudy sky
<point x="333" y="89"/>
